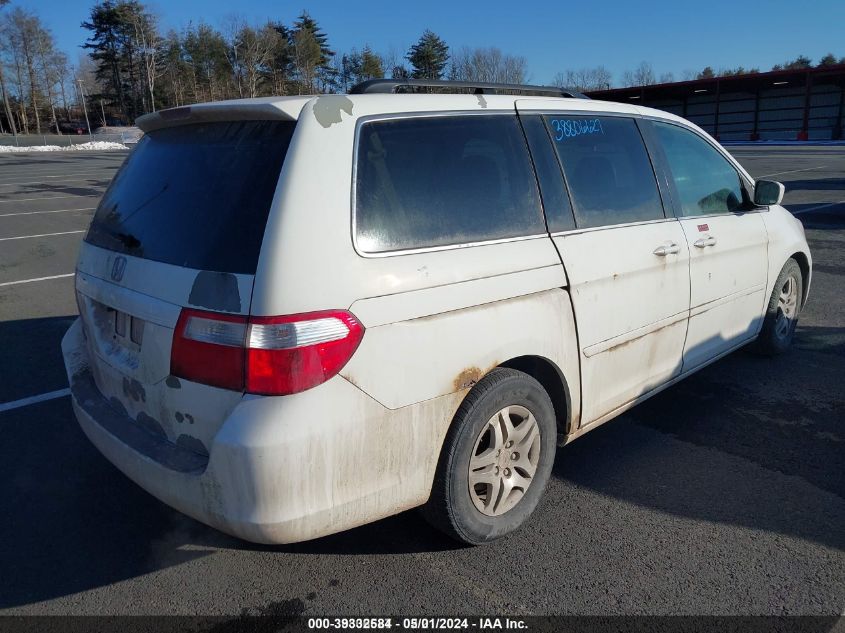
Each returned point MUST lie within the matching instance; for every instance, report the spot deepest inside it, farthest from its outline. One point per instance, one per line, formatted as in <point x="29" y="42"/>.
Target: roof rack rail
<point x="398" y="86"/>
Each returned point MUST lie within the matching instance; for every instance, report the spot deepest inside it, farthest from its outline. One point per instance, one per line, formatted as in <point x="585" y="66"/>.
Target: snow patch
<point x="89" y="146"/>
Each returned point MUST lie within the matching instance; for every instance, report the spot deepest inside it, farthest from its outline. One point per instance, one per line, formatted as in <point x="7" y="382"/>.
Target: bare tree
<point x="232" y="26"/>
<point x="584" y="79"/>
<point x="487" y="64"/>
<point x="4" y="91"/>
<point x="642" y="75"/>
<point x="257" y="48"/>
<point x="50" y="58"/>
<point x="149" y="44"/>
<point x="22" y="32"/>
<point x="306" y="57"/>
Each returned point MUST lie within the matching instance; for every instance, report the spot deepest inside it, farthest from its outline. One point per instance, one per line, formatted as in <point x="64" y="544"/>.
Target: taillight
<point x="263" y="355"/>
<point x="208" y="347"/>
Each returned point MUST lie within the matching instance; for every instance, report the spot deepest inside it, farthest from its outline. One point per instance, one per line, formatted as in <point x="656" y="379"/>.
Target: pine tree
<point x="311" y="54"/>
<point x="827" y="60"/>
<point x="123" y="45"/>
<point x="371" y="65"/>
<point x="428" y="57"/>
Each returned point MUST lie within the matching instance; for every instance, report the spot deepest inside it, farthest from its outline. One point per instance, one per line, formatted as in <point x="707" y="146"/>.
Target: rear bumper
<point x="280" y="469"/>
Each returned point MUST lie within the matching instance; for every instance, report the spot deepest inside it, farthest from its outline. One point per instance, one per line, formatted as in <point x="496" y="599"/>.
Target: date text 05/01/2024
<point x="418" y="624"/>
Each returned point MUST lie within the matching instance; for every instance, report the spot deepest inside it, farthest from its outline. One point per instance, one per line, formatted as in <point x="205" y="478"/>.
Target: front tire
<point x="782" y="311"/>
<point x="496" y="460"/>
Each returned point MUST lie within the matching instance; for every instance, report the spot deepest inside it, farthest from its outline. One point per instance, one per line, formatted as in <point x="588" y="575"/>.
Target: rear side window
<point x="438" y="181"/>
<point x="607" y="168"/>
<point x="195" y="195"/>
<point x="704" y="179"/>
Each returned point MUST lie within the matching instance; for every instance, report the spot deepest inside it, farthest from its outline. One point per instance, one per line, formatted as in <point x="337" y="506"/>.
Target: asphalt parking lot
<point x="725" y="494"/>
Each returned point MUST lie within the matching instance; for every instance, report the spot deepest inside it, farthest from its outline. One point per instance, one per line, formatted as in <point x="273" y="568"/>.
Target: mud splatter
<point x="150" y="424"/>
<point x="134" y="389"/>
<point x="191" y="443"/>
<point x="173" y="382"/>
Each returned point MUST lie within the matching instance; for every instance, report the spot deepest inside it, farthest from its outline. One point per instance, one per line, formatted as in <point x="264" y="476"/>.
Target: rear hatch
<point x="180" y="226"/>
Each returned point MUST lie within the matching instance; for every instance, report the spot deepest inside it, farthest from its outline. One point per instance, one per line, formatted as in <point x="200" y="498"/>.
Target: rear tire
<point x="782" y="311"/>
<point x="496" y="460"/>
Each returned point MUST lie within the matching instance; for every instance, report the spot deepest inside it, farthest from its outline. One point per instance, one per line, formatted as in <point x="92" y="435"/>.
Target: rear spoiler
<point x="268" y="109"/>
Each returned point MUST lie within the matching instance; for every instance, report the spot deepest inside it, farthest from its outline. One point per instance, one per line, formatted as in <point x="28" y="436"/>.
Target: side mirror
<point x="768" y="192"/>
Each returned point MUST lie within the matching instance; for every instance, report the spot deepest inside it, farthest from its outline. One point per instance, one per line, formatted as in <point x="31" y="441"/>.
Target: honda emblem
<point x="118" y="268"/>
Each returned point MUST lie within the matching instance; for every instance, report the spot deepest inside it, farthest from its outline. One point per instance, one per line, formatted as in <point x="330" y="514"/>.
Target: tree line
<point x="131" y="66"/>
<point x="644" y="75"/>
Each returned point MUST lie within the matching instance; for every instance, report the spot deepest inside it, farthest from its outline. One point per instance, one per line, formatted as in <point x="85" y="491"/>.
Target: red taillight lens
<point x="293" y="353"/>
<point x="208" y="347"/>
<point x="264" y="355"/>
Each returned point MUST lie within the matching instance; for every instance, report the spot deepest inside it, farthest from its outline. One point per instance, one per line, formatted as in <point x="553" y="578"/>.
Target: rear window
<point x="195" y="195"/>
<point x="437" y="181"/>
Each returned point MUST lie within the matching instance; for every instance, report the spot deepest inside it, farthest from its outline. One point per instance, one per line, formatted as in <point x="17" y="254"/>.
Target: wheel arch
<point x="551" y="378"/>
<point x="804" y="265"/>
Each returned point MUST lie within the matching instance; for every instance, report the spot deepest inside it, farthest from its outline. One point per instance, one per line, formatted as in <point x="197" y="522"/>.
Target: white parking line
<point x="43" y="198"/>
<point x="41" y="182"/>
<point x="817" y="207"/>
<point x="26" y="237"/>
<point x="29" y="281"/>
<point x="6" y="215"/>
<point x="791" y="171"/>
<point x="23" y="402"/>
<point x="87" y="172"/>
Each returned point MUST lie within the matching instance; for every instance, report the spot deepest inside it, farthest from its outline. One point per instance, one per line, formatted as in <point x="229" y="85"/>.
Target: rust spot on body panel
<point x="471" y="375"/>
<point x="467" y="378"/>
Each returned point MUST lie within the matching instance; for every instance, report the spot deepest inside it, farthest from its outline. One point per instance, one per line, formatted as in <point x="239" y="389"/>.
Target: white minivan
<point x="302" y="314"/>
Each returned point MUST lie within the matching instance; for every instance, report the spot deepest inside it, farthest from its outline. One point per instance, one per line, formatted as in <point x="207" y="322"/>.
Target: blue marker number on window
<point x="568" y="128"/>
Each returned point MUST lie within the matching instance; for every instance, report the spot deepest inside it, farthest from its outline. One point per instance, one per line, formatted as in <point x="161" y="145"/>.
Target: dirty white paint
<point x="610" y="315"/>
<point x="417" y="359"/>
<point x="728" y="281"/>
<point x="630" y="306"/>
<point x="786" y="238"/>
<point x="139" y="378"/>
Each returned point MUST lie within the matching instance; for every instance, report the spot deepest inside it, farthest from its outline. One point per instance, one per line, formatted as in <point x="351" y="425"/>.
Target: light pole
<point x="84" y="107"/>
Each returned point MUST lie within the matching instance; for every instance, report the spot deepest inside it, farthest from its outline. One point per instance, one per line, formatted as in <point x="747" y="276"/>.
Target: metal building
<point x="804" y="104"/>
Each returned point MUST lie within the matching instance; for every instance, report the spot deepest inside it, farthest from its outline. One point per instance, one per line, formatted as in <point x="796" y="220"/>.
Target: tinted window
<point x="195" y="195"/>
<point x="444" y="180"/>
<point x="552" y="189"/>
<point x="704" y="179"/>
<point x="607" y="168"/>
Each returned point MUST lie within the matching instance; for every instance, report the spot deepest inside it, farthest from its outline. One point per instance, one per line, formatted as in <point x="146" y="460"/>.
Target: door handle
<point x="704" y="242"/>
<point x="666" y="249"/>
